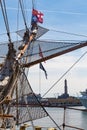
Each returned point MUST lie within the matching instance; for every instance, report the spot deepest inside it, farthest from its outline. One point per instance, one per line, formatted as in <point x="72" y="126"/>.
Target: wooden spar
<point x="6" y="116"/>
<point x="56" y="54"/>
<point x="25" y="47"/>
<point x="17" y="116"/>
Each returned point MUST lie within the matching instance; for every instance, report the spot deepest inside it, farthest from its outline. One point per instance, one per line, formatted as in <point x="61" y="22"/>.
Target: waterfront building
<point x="65" y="94"/>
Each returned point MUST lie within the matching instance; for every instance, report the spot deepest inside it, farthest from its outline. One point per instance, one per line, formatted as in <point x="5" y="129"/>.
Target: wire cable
<point x="65" y="73"/>
<point x="33" y="4"/>
<point x="75" y="34"/>
<point x="4" y="12"/>
<point x="23" y="13"/>
<point x="41" y="104"/>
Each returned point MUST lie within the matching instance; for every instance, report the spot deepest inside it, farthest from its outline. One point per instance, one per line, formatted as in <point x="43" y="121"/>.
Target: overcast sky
<point x="59" y="15"/>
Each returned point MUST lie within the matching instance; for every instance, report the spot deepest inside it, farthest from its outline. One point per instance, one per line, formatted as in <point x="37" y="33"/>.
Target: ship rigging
<point x="22" y="54"/>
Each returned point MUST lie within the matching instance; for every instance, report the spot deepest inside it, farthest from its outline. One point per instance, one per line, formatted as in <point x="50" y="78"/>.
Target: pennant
<point x="40" y="52"/>
<point x="42" y="68"/>
<point x="38" y="14"/>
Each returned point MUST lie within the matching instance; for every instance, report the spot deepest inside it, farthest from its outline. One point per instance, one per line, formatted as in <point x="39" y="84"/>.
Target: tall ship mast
<point x="17" y="57"/>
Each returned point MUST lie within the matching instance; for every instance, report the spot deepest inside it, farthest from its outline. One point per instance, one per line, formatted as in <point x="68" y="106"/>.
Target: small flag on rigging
<point x="40" y="52"/>
<point x="42" y="68"/>
<point x="39" y="16"/>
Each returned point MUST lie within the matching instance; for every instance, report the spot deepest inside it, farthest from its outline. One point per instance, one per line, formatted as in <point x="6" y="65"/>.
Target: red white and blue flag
<point x="37" y="16"/>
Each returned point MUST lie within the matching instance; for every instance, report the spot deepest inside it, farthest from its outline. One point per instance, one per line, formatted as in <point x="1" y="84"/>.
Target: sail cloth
<point x="41" y="31"/>
<point x="25" y="106"/>
<point x="49" y="50"/>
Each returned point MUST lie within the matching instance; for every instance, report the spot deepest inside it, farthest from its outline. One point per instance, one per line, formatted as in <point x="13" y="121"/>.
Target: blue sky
<point x="62" y="15"/>
<point x="68" y="16"/>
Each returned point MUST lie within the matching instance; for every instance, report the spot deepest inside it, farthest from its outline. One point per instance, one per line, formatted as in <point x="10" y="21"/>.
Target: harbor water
<point x="73" y="118"/>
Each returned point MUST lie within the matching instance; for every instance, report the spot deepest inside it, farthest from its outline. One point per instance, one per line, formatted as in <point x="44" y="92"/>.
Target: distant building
<point x="32" y="98"/>
<point x="55" y="102"/>
<point x="65" y="94"/>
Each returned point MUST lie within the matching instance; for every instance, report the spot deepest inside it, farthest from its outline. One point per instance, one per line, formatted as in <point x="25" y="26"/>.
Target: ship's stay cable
<point x="65" y="73"/>
<point x="58" y="31"/>
<point x="23" y="13"/>
<point x="21" y="2"/>
<point x="33" y="4"/>
<point x="40" y="103"/>
<point x="17" y="23"/>
<point x="4" y="12"/>
<point x="69" y="33"/>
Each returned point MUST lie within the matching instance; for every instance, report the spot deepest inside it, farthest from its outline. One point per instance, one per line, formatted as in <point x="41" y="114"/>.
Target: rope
<point x="3" y="7"/>
<point x="40" y="103"/>
<point x="65" y="73"/>
<point x="17" y="24"/>
<point x="23" y="12"/>
<point x="33" y="4"/>
<point x="75" y="34"/>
